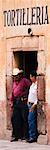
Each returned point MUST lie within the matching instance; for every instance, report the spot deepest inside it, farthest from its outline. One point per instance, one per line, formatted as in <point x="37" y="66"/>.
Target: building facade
<point x="24" y="41"/>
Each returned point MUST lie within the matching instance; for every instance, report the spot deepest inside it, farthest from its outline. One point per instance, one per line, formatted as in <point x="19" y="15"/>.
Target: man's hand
<point x="11" y="104"/>
<point x="31" y="109"/>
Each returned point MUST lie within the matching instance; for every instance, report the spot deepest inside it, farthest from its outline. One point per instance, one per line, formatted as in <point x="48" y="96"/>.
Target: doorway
<point x="26" y="60"/>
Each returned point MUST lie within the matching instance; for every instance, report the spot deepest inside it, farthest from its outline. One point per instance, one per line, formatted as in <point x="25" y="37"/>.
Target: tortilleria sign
<point x="26" y="16"/>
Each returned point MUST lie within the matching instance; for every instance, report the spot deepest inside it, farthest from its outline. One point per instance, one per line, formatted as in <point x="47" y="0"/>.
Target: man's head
<point x="33" y="76"/>
<point x="17" y="73"/>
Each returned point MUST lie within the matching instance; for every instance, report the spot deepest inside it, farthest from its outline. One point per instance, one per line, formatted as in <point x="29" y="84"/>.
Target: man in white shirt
<point x="32" y="104"/>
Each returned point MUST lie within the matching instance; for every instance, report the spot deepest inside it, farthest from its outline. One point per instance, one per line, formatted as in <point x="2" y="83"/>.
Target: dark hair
<point x="33" y="73"/>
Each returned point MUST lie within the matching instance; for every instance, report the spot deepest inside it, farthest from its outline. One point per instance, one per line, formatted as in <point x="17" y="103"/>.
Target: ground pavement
<point x="22" y="145"/>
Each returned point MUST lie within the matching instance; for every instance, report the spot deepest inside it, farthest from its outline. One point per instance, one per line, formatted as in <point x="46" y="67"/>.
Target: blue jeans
<point x="32" y="121"/>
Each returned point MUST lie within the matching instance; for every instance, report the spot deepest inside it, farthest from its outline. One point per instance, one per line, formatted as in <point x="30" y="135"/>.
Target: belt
<point x="31" y="103"/>
<point x="20" y="99"/>
<point x="23" y="99"/>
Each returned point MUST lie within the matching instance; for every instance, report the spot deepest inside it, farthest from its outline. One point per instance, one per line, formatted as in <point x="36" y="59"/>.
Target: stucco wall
<point x="6" y="45"/>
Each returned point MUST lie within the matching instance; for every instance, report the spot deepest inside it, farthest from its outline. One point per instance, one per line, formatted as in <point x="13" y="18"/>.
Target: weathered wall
<point x="2" y="77"/>
<point x="13" y="38"/>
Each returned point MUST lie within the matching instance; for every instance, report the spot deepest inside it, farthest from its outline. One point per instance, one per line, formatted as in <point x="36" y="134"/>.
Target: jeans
<point x="32" y="122"/>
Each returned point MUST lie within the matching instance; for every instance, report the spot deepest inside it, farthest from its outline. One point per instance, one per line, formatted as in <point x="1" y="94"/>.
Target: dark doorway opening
<point x="26" y="60"/>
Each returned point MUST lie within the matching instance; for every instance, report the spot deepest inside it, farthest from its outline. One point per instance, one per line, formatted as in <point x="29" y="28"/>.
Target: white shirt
<point x="32" y="97"/>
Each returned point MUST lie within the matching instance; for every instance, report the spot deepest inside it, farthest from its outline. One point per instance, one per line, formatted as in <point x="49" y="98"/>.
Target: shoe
<point x="31" y="140"/>
<point x="14" y="139"/>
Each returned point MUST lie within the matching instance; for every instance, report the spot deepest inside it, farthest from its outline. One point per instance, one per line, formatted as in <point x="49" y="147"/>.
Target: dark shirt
<point x="20" y="88"/>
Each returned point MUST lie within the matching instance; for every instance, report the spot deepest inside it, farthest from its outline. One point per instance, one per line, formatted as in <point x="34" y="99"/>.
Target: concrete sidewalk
<point x="21" y="145"/>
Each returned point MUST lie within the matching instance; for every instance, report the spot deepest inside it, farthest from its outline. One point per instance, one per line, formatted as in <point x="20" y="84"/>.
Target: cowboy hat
<point x="16" y="71"/>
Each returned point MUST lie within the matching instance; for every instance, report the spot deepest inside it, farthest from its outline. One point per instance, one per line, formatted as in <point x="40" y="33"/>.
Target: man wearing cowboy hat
<point x="19" y="102"/>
